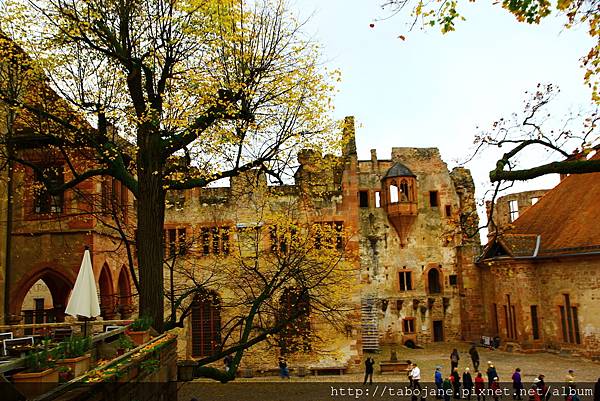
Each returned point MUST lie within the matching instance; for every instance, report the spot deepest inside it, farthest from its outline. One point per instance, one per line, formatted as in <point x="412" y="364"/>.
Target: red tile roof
<point x="566" y="217"/>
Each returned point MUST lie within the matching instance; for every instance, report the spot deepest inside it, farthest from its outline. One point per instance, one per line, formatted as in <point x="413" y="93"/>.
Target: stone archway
<point x="124" y="303"/>
<point x="59" y="287"/>
<point x="107" y="294"/>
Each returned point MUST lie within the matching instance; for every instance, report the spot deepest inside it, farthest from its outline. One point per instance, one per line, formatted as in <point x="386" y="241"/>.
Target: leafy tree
<point x="164" y="95"/>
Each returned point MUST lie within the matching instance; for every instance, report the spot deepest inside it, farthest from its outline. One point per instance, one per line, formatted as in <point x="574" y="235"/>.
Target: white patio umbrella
<point x="84" y="297"/>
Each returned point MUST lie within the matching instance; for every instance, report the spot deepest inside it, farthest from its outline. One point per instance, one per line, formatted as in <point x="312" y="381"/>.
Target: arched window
<point x="404" y="194"/>
<point x="124" y="292"/>
<point x="394" y="193"/>
<point x="433" y="281"/>
<point x="206" y="324"/>
<point x="107" y="295"/>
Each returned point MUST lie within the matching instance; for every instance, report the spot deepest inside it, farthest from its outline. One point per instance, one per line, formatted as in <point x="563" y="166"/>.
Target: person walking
<point x="456" y="383"/>
<point x="542" y="388"/>
<point x="454" y="358"/>
<point x="416" y="377"/>
<point x="439" y="382"/>
<point x="467" y="383"/>
<point x="474" y="357"/>
<point x="480" y="387"/>
<point x="369" y="363"/>
<point x="409" y="374"/>
<point x="284" y="372"/>
<point x="227" y="361"/>
<point x="491" y="373"/>
<point x="517" y="384"/>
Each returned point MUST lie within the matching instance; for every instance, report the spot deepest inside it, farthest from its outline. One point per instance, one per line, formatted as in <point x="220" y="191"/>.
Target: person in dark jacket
<point x="447" y="387"/>
<point x="474" y="357"/>
<point x="454" y="358"/>
<point x="517" y="384"/>
<point x="284" y="371"/>
<point x="369" y="362"/>
<point x="456" y="383"/>
<point x="467" y="383"/>
<point x="491" y="373"/>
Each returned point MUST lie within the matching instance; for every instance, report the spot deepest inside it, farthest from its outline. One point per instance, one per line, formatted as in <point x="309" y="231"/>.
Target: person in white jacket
<point x="415" y="373"/>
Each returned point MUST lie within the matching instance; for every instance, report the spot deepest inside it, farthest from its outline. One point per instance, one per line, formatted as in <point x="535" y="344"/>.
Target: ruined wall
<point x="469" y="276"/>
<point x="502" y="215"/>
<point x="433" y="242"/>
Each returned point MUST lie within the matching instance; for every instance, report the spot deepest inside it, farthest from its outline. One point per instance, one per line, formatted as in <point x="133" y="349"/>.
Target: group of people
<point x="450" y="386"/>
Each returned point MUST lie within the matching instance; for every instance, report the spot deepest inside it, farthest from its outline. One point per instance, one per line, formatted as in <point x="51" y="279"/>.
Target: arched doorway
<point x="124" y="293"/>
<point x="43" y="297"/>
<point x="107" y="294"/>
<point x="434" y="284"/>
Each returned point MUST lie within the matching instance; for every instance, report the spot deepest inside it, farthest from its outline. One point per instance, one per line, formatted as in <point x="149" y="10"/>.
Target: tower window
<point x="363" y="198"/>
<point x="405" y="280"/>
<point x="513" y="210"/>
<point x="433" y="198"/>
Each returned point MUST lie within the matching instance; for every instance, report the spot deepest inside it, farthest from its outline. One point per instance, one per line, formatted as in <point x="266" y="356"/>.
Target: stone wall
<point x="544" y="282"/>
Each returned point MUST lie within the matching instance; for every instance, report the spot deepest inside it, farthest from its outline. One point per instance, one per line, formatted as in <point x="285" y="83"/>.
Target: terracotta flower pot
<point x="33" y="384"/>
<point x="78" y="365"/>
<point x="139" y="337"/>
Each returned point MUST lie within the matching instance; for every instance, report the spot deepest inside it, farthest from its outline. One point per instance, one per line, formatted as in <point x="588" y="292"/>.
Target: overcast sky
<point x="433" y="90"/>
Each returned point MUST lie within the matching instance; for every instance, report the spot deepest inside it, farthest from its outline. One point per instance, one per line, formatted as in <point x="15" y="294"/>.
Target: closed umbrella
<point x="84" y="297"/>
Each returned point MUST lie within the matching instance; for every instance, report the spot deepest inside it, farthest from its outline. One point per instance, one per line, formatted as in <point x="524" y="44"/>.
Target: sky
<point x="434" y="90"/>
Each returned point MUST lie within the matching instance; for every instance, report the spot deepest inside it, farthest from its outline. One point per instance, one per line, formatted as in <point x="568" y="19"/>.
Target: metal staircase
<point x="370" y="334"/>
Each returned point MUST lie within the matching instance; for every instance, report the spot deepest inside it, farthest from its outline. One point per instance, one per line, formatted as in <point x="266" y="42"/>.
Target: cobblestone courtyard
<point x="553" y="366"/>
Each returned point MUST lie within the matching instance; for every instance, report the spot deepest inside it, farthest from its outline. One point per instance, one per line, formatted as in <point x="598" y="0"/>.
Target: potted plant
<point x="75" y="354"/>
<point x="139" y="330"/>
<point x="125" y="344"/>
<point x="65" y="374"/>
<point x="39" y="376"/>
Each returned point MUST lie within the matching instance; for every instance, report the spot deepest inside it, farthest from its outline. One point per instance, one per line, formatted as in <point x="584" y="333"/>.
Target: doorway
<point x="438" y="330"/>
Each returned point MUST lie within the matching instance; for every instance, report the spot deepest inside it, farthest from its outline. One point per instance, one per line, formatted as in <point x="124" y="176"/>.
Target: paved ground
<point x="554" y="367"/>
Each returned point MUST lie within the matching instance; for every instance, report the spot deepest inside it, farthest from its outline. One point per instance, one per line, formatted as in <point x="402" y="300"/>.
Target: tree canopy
<point x="164" y="95"/>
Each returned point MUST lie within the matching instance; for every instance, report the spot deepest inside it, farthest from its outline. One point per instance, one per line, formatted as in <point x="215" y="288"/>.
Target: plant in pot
<point x="125" y="344"/>
<point x="39" y="376"/>
<point x="75" y="354"/>
<point x="65" y="374"/>
<point x="139" y="330"/>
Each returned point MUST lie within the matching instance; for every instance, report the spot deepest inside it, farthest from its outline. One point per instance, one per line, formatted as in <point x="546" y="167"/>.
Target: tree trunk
<point x="150" y="215"/>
